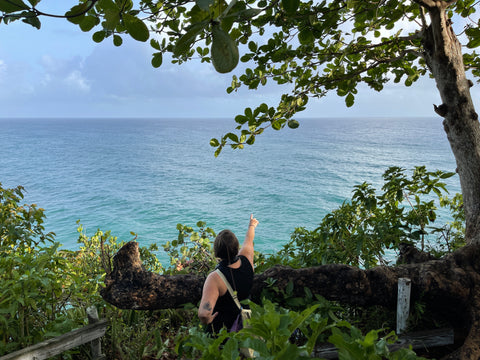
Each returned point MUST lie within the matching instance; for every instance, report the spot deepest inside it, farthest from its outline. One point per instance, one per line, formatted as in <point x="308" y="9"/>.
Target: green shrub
<point x="191" y="252"/>
<point x="360" y="231"/>
<point x="44" y="291"/>
<point x="38" y="286"/>
<point x="273" y="333"/>
<point x="353" y="345"/>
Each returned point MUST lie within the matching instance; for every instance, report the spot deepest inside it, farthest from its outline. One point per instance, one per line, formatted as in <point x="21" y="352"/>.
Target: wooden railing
<point x="46" y="349"/>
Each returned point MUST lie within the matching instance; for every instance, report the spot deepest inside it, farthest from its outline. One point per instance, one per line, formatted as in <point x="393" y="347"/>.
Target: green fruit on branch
<point x="224" y="50"/>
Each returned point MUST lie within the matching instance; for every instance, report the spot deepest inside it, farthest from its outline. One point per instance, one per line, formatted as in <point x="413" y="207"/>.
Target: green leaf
<point x="204" y="4"/>
<point x="246" y="14"/>
<point x="10" y="6"/>
<point x="232" y="137"/>
<point x="251" y="140"/>
<point x="157" y="59"/>
<point x="197" y="15"/>
<point x="349" y="100"/>
<point x="99" y="36"/>
<point x="32" y="20"/>
<point x="472" y="31"/>
<point x="231" y="348"/>
<point x="241" y="119"/>
<point x="136" y="27"/>
<point x="475" y="42"/>
<point x="155" y="44"/>
<point x="117" y="40"/>
<point x="276" y="125"/>
<point x="290" y="6"/>
<point x="214" y="142"/>
<point x="252" y="46"/>
<point x="108" y="5"/>
<point x="183" y="44"/>
<point x="303" y="316"/>
<point x="88" y="22"/>
<point x="306" y="37"/>
<point x="77" y="13"/>
<point x="370" y="338"/>
<point x="227" y="23"/>
<point x="446" y="175"/>
<point x="112" y="19"/>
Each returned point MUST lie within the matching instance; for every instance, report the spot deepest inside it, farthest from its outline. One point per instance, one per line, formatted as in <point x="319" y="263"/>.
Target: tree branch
<point x="40" y="13"/>
<point x="130" y="286"/>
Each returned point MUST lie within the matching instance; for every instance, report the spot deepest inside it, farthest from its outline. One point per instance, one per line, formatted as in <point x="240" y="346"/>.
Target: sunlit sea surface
<point x="147" y="175"/>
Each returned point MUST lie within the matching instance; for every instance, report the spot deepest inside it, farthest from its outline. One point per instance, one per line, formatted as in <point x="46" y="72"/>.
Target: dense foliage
<point x="280" y="334"/>
<point x="45" y="290"/>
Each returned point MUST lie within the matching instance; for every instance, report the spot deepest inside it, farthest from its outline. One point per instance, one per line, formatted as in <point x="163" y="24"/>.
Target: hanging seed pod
<point x="224" y="50"/>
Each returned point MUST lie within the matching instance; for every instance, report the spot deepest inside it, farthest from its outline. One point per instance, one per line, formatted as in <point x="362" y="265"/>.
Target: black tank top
<point x="242" y="282"/>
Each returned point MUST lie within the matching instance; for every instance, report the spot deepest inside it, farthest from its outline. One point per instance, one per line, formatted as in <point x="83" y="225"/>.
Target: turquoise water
<point x="145" y="175"/>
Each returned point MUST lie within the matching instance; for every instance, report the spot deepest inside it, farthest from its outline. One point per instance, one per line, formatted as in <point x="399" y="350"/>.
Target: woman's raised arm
<point x="247" y="247"/>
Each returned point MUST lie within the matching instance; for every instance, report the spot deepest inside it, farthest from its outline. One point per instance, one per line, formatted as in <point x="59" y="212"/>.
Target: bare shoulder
<point x="213" y="277"/>
<point x="214" y="280"/>
<point x="247" y="251"/>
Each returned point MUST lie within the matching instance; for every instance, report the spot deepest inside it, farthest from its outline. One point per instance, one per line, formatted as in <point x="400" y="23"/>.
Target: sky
<point x="59" y="71"/>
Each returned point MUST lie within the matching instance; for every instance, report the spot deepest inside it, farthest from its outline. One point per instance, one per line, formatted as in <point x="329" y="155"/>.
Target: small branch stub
<point x="441" y="110"/>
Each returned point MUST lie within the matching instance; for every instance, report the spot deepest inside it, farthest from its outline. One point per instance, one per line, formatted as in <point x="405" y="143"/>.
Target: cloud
<point x="127" y="70"/>
<point x="123" y="79"/>
<point x="62" y="77"/>
<point x="77" y="81"/>
<point x="55" y="72"/>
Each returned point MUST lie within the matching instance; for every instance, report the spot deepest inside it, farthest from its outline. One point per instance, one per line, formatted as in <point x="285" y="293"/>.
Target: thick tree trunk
<point x="448" y="287"/>
<point x="443" y="55"/>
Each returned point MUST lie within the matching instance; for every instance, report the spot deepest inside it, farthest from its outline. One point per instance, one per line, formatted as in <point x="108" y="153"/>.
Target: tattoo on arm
<point x="207" y="306"/>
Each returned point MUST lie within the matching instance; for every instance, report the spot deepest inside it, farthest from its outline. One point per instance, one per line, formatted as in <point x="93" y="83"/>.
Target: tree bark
<point x="130" y="286"/>
<point x="448" y="287"/>
<point x="443" y="55"/>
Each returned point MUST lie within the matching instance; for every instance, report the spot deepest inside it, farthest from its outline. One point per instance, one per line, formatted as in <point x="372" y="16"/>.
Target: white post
<point x="403" y="304"/>
<point x="95" y="345"/>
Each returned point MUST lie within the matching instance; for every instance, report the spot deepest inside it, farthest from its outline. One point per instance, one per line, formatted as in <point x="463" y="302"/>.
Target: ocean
<point x="147" y="175"/>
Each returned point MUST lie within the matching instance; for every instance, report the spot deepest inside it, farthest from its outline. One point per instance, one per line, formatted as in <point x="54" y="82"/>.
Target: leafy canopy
<point x="313" y="47"/>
